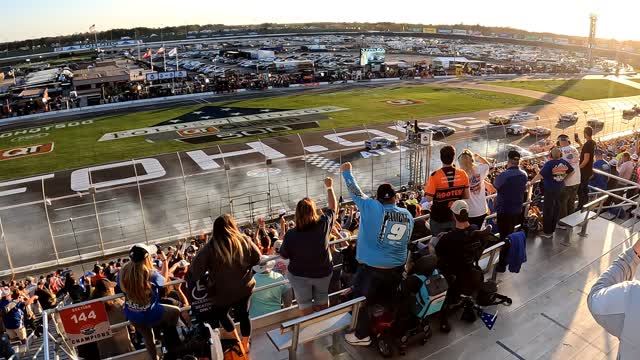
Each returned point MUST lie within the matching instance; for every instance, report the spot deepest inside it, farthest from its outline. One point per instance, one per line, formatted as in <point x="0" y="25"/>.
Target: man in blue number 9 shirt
<point x="381" y="251"/>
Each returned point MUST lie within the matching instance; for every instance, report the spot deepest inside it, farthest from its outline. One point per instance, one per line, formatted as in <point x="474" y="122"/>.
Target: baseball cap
<point x="29" y="279"/>
<point x="103" y="284"/>
<point x="458" y="206"/>
<point x="385" y="192"/>
<point x="139" y="252"/>
<point x="599" y="152"/>
<point x="264" y="265"/>
<point x="563" y="137"/>
<point x="5" y="292"/>
<point x="613" y="162"/>
<point x="513" y="155"/>
<point x="634" y="157"/>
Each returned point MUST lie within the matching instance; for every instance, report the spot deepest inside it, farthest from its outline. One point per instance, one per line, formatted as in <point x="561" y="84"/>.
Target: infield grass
<point x="587" y="89"/>
<point x="77" y="147"/>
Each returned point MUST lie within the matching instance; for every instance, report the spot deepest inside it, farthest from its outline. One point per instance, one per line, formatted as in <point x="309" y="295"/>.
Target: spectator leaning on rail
<point x="511" y="186"/>
<point x="228" y="258"/>
<point x="445" y="186"/>
<point x="614" y="302"/>
<point x="553" y="174"/>
<point x="571" y="183"/>
<point x="143" y="287"/>
<point x="307" y="248"/>
<point x="382" y="245"/>
<point x="587" y="152"/>
<point x="477" y="174"/>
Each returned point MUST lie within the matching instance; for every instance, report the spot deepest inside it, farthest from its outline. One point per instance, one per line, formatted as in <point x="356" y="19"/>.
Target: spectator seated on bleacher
<point x="457" y="251"/>
<point x="272" y="299"/>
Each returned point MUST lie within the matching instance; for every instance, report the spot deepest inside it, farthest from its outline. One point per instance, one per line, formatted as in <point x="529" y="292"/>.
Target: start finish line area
<point x="548" y="319"/>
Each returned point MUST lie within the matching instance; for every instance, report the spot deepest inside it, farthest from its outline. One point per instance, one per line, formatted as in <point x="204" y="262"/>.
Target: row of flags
<point x="160" y="51"/>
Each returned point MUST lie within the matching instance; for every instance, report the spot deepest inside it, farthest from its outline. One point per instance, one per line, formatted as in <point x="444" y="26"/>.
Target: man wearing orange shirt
<point x="445" y="186"/>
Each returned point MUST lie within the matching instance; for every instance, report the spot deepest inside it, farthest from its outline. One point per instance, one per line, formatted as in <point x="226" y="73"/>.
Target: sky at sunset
<point x="26" y="19"/>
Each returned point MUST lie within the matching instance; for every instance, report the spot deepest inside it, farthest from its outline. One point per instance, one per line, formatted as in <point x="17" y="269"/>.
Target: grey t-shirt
<point x="308" y="251"/>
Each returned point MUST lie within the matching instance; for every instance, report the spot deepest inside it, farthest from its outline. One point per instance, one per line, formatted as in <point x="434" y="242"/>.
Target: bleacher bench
<point x="581" y="218"/>
<point x="308" y="328"/>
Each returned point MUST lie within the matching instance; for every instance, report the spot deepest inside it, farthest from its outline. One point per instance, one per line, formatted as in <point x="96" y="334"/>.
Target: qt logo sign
<point x="23" y="151"/>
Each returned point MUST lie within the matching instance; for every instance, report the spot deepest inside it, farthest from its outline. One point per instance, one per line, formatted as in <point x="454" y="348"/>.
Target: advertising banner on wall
<point x="99" y="45"/>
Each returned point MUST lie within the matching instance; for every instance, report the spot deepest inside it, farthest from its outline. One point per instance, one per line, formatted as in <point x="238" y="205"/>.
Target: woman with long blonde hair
<point x="143" y="287"/>
<point x="478" y="185"/>
<point x="226" y="261"/>
<point x="307" y="248"/>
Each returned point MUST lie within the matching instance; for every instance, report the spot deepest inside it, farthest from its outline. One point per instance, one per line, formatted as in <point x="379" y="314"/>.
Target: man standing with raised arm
<point x="382" y="245"/>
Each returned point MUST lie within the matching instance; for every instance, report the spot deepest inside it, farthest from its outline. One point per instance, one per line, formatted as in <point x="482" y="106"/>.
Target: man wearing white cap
<point x="268" y="300"/>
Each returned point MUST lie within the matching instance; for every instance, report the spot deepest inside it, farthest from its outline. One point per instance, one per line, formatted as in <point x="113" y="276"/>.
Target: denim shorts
<point x="310" y="291"/>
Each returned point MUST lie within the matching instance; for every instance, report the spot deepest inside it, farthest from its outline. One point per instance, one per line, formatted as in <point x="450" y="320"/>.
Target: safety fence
<point x="173" y="196"/>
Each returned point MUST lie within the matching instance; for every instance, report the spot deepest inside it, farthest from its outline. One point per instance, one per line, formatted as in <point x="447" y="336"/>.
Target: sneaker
<point x="546" y="236"/>
<point x="561" y="227"/>
<point x="352" y="339"/>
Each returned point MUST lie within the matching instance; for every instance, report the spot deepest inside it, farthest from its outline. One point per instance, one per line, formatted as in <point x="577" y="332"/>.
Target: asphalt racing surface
<point x="246" y="179"/>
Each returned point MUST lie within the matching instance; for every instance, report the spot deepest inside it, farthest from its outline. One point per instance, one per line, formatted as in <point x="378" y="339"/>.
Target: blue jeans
<point x="379" y="287"/>
<point x="551" y="209"/>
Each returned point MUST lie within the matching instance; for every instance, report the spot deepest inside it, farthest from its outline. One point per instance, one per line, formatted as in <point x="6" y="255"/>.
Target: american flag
<point x="487" y="318"/>
<point x="216" y="112"/>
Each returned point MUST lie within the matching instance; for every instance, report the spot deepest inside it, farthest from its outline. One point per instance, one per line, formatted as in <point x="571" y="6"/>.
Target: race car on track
<point x="542" y="146"/>
<point x="500" y="119"/>
<point x="635" y="110"/>
<point x="568" y="117"/>
<point x="441" y="131"/>
<point x="517" y="129"/>
<point x="539" y="131"/>
<point x="380" y="143"/>
<point x="501" y="156"/>
<point x="524" y="115"/>
<point x="595" y="123"/>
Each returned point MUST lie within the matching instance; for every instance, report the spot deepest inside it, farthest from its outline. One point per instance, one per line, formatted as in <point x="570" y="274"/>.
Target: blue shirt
<point x="385" y="230"/>
<point x="13" y="318"/>
<point x="511" y="185"/>
<point x="600" y="181"/>
<point x="268" y="300"/>
<point x="554" y="172"/>
<point x="150" y="313"/>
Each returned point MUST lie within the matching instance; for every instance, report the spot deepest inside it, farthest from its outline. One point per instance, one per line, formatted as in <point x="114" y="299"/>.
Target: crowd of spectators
<point x="234" y="261"/>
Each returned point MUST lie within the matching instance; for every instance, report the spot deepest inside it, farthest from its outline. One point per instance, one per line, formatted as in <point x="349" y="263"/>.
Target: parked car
<point x="542" y="146"/>
<point x="517" y="129"/>
<point x="539" y="131"/>
<point x="568" y="117"/>
<point x="595" y="123"/>
<point x="380" y="143"/>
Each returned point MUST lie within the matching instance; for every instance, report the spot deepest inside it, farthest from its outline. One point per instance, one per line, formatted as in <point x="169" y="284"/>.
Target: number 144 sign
<point x="86" y="323"/>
